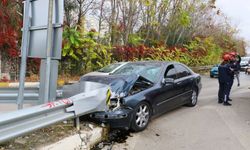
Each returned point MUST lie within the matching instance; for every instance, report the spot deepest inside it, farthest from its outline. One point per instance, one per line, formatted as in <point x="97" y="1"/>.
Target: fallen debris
<point x="114" y="136"/>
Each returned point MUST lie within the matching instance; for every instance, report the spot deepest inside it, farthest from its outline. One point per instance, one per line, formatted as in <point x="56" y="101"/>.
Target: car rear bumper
<point x="214" y="73"/>
<point x="243" y="68"/>
<point x="120" y="118"/>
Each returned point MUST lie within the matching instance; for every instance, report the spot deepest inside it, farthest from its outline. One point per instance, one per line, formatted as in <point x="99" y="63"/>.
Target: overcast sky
<point x="238" y="11"/>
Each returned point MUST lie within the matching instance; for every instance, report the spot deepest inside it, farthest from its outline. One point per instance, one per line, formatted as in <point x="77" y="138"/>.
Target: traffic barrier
<point x="21" y="122"/>
<point x="10" y="94"/>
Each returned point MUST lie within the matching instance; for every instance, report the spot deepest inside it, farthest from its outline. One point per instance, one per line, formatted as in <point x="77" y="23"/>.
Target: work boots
<point x="227" y="104"/>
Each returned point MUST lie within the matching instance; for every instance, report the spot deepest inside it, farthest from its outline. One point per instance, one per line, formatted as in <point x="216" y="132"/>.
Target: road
<point x="207" y="126"/>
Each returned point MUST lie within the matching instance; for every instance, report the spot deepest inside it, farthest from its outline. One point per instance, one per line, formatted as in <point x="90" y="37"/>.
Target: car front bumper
<point x="120" y="118"/>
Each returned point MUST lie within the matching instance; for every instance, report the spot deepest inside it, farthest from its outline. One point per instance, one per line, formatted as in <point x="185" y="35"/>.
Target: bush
<point x="81" y="53"/>
<point x="197" y="52"/>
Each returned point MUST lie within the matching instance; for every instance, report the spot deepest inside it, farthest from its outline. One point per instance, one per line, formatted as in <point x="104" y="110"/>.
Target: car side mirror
<point x="167" y="81"/>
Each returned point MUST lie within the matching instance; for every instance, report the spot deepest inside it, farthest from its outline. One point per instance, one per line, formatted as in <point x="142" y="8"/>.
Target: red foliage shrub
<point x="4" y="79"/>
<point x="141" y="52"/>
<point x="130" y="53"/>
<point x="9" y="26"/>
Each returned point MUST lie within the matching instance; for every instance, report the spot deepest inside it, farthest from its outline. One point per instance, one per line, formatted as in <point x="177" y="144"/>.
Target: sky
<point x="238" y="12"/>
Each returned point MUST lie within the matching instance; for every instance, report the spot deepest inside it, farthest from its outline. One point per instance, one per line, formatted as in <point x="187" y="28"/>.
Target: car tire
<point x="140" y="117"/>
<point x="211" y="76"/>
<point x="194" y="98"/>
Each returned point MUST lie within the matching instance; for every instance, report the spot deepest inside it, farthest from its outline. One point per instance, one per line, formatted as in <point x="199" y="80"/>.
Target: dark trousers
<point x="230" y="87"/>
<point x="224" y="90"/>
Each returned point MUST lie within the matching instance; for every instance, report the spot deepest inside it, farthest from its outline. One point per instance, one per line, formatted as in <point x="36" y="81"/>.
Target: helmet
<point x="234" y="54"/>
<point x="227" y="57"/>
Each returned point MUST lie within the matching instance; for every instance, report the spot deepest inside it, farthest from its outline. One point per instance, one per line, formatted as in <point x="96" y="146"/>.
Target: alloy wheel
<point x="194" y="97"/>
<point x="142" y="116"/>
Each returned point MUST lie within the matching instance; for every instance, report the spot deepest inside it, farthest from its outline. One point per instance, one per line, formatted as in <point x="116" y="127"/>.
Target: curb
<point x="16" y="84"/>
<point x="85" y="140"/>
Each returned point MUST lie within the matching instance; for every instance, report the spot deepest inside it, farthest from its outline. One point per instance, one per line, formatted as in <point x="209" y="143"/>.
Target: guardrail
<point x="10" y="94"/>
<point x="20" y="122"/>
<point x="201" y="68"/>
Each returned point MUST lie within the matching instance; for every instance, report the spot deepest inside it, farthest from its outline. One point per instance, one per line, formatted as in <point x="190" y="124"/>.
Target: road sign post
<point x="42" y="38"/>
<point x="49" y="47"/>
<point x="24" y="51"/>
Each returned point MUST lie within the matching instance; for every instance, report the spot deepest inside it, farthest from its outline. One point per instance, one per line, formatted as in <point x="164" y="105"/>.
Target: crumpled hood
<point x="118" y="83"/>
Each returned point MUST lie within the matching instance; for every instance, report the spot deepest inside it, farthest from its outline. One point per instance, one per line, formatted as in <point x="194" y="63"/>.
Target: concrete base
<point x="82" y="141"/>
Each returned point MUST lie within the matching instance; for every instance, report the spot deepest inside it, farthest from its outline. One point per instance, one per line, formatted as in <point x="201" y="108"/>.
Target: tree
<point x="76" y="10"/>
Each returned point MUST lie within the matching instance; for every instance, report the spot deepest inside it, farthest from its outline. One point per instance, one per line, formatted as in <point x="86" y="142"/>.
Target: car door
<point x="166" y="94"/>
<point x="183" y="83"/>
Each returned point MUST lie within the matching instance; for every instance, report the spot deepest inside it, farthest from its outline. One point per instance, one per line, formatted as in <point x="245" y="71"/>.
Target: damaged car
<point x="139" y="90"/>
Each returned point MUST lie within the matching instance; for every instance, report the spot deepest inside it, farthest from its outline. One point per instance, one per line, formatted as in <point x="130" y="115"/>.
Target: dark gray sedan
<point x="145" y="89"/>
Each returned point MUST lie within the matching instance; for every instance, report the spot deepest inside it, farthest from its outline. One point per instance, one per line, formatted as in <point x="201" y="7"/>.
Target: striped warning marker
<point x="108" y="97"/>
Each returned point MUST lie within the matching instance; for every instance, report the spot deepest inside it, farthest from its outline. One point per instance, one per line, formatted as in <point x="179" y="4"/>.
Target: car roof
<point x="151" y="62"/>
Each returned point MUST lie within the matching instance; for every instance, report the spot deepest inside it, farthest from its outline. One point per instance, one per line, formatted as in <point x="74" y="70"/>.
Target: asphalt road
<point x="207" y="126"/>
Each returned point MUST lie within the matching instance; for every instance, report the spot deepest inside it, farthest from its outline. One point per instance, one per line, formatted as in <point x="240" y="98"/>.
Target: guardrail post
<point x="77" y="123"/>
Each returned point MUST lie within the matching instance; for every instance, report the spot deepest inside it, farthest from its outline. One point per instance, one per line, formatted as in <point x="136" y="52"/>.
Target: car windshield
<point x="109" y="68"/>
<point x="148" y="71"/>
<point x="245" y="59"/>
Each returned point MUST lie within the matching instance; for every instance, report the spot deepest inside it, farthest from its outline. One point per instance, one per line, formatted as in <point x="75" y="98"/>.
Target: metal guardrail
<point x="24" y="121"/>
<point x="10" y="94"/>
<point x="20" y="122"/>
<point x="201" y="68"/>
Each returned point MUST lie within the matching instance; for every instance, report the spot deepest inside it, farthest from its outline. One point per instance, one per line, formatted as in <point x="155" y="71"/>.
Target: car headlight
<point x="116" y="101"/>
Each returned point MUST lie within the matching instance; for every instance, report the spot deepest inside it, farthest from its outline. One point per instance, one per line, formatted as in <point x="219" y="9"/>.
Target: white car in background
<point x="244" y="63"/>
<point x="107" y="70"/>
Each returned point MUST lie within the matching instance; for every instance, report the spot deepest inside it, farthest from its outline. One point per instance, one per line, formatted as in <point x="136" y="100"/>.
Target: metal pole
<point x="77" y="123"/>
<point x="49" y="47"/>
<point x="24" y="51"/>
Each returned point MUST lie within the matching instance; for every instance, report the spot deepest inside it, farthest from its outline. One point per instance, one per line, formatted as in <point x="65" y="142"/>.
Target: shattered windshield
<point x="148" y="71"/>
<point x="110" y="68"/>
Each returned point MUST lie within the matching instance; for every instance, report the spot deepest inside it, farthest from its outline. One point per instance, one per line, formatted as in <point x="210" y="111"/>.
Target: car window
<point x="151" y="73"/>
<point x="245" y="58"/>
<point x="182" y="71"/>
<point x="110" y="68"/>
<point x="170" y="72"/>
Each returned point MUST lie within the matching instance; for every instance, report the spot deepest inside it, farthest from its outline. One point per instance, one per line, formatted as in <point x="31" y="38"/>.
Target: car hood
<point x="119" y="84"/>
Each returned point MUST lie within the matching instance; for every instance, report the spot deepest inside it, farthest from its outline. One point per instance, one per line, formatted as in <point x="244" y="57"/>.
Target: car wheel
<point x="211" y="76"/>
<point x="194" y="98"/>
<point x="141" y="117"/>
